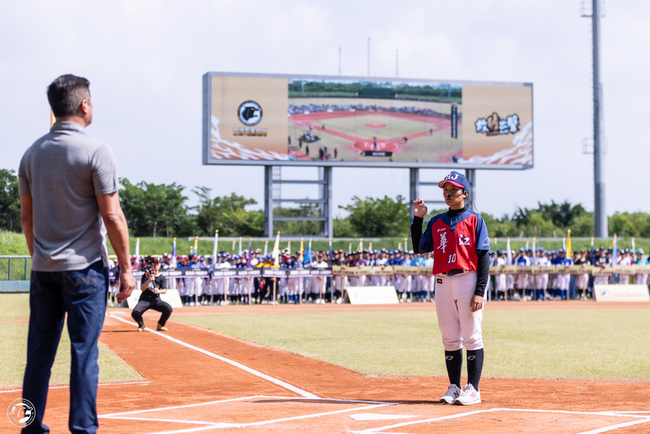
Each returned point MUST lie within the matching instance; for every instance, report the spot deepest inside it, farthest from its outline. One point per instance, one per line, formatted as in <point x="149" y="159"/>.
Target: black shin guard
<point x="454" y="362"/>
<point x="474" y="367"/>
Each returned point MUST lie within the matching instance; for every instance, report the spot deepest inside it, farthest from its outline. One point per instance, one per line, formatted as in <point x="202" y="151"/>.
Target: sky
<point x="145" y="60"/>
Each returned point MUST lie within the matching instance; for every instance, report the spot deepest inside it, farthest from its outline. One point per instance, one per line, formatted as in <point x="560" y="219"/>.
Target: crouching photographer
<point x="152" y="285"/>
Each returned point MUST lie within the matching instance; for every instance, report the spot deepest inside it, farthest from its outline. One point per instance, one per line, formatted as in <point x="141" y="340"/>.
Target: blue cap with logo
<point x="455" y="178"/>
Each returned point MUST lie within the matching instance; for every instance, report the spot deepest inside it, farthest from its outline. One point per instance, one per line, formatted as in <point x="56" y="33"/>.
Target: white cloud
<point x="145" y="60"/>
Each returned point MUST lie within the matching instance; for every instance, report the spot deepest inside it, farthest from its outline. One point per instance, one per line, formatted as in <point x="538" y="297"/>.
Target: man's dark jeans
<point x="82" y="295"/>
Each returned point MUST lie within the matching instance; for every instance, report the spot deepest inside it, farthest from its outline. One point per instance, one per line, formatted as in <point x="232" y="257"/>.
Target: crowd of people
<point x="562" y="286"/>
<point x="320" y="108"/>
<point x="214" y="288"/>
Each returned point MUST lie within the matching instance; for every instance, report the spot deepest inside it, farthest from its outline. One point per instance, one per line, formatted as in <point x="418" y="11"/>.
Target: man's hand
<point x="477" y="303"/>
<point x="419" y="208"/>
<point x="127" y="284"/>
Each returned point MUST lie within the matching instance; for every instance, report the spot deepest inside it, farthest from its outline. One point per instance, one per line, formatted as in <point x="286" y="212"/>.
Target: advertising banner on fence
<point x="352" y="121"/>
<point x="621" y="293"/>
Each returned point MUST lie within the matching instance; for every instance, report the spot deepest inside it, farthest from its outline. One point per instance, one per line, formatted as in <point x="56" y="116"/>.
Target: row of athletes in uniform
<point x="234" y="290"/>
<point x="556" y="286"/>
<point x="409" y="287"/>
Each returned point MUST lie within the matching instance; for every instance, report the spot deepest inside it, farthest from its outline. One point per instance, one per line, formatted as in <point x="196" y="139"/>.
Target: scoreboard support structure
<point x="273" y="197"/>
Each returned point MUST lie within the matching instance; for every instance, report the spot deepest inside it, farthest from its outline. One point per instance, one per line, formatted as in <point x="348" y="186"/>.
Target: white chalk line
<point x="272" y="421"/>
<point x="644" y="419"/>
<point x="280" y="383"/>
<point x="126" y="413"/>
<point x="210" y="425"/>
<point x="613" y="427"/>
<point x="130" y="383"/>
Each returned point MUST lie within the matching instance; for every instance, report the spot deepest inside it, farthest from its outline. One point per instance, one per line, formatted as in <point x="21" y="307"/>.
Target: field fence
<point x="15" y="267"/>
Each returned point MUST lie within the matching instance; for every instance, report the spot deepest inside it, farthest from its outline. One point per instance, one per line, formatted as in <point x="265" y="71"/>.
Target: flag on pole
<point x="266" y="248"/>
<point x="240" y="250"/>
<point x="276" y="249"/>
<point x="307" y="257"/>
<point x="232" y="252"/>
<point x="527" y="245"/>
<point x="509" y="252"/>
<point x="214" y="248"/>
<point x="289" y="247"/>
<point x="406" y="245"/>
<point x="301" y="257"/>
<point x="399" y="246"/>
<point x="350" y="248"/>
<point x="569" y="253"/>
<point x="174" y="253"/>
<point x="370" y="246"/>
<point x="360" y="248"/>
<point x="495" y="243"/>
<point x="137" y="250"/>
<point x="615" y="257"/>
<point x="196" y="245"/>
<point x="534" y="253"/>
<point x="250" y="248"/>
<point x="332" y="252"/>
<point x="633" y="246"/>
<point x="564" y="242"/>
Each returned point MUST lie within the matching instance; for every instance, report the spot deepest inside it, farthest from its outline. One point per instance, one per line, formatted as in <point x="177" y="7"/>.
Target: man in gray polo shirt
<point x="68" y="195"/>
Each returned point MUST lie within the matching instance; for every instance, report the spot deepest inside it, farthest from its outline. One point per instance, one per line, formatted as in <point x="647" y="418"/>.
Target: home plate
<point x="374" y="416"/>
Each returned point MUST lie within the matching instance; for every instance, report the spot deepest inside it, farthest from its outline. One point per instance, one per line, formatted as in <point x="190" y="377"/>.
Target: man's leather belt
<point x="453" y="272"/>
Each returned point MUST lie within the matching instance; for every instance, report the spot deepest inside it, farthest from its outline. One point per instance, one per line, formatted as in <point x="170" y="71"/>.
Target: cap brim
<point x="444" y="181"/>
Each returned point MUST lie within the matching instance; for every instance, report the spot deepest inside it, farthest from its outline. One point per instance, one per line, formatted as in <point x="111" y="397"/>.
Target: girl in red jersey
<point x="460" y="244"/>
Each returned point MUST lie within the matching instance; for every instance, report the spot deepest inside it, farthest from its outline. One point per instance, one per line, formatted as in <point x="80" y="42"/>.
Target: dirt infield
<point x="198" y="380"/>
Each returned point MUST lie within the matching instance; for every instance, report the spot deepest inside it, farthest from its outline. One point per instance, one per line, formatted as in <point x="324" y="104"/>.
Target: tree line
<point x="162" y="210"/>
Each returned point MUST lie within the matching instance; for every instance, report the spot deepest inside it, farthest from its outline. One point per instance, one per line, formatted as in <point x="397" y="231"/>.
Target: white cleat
<point x="469" y="396"/>
<point x="453" y="392"/>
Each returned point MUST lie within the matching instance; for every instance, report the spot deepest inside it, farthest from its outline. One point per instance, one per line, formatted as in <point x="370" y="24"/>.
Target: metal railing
<point x="15" y="267"/>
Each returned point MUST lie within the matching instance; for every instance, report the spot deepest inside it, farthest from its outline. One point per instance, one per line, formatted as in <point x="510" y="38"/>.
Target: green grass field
<point x="583" y="344"/>
<point x="598" y="344"/>
<point x="13" y="349"/>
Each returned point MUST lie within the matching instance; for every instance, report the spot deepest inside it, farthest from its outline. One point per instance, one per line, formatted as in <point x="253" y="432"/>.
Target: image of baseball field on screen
<point x="357" y="121"/>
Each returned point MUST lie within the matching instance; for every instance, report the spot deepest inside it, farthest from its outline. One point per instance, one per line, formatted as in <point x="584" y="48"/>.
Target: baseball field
<point x="551" y="367"/>
<point x="346" y="134"/>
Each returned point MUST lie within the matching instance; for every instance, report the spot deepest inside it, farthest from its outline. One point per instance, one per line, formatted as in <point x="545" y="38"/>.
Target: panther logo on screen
<point x="249" y="113"/>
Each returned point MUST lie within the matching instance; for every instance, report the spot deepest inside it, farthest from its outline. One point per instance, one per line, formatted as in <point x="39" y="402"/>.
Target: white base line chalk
<point x="280" y="383"/>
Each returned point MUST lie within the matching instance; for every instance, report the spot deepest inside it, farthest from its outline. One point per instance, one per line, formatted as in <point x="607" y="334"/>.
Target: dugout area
<point x="198" y="380"/>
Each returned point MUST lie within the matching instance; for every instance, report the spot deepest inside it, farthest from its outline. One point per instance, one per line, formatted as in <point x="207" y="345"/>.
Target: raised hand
<point x="419" y="208"/>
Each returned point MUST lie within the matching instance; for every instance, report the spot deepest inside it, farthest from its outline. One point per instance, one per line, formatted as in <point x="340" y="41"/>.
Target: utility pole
<point x="368" y="56"/>
<point x="339" y="61"/>
<point x="600" y="212"/>
<point x="396" y="63"/>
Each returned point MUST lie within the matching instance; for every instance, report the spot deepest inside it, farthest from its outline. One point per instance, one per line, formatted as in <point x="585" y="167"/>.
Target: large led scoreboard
<point x="271" y="119"/>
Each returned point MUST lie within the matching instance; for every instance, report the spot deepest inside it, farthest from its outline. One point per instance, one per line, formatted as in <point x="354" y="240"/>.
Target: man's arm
<point x="26" y="218"/>
<point x="118" y="234"/>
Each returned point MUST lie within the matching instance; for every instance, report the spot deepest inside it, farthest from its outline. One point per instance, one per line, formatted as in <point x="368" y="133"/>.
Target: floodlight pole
<point x="600" y="212"/>
<point x="339" y="60"/>
<point x="368" y="56"/>
<point x="396" y="63"/>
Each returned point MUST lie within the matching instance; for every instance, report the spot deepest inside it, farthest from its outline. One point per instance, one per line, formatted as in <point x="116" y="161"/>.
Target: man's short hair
<point x="66" y="93"/>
